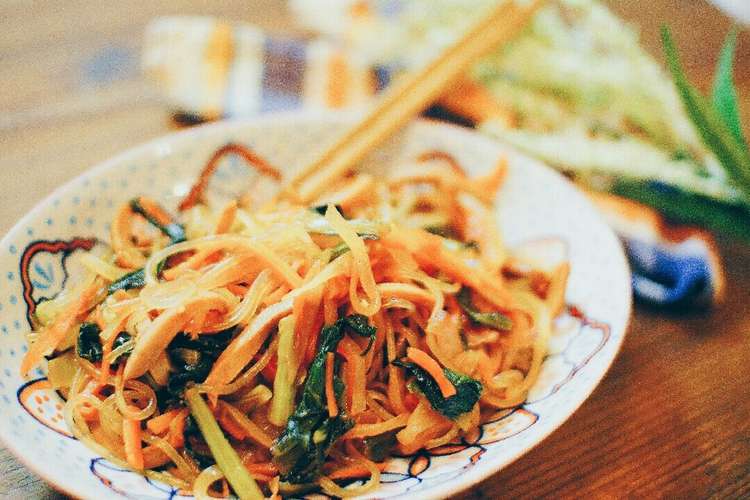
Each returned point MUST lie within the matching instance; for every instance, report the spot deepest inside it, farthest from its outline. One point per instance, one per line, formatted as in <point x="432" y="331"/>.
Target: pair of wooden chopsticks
<point x="411" y="96"/>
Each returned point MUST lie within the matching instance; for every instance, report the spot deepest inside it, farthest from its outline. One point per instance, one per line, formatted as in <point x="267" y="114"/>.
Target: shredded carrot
<point x="159" y="425"/>
<point x="249" y="428"/>
<point x="312" y="343"/>
<point x="195" y="261"/>
<point x="120" y="235"/>
<point x="429" y="252"/>
<point x="247" y="343"/>
<point x="330" y="312"/>
<point x="263" y="468"/>
<point x="179" y="258"/>
<point x="308" y="321"/>
<point x="348" y="375"/>
<point x="475" y="102"/>
<point x="176" y="436"/>
<point x="406" y="291"/>
<point x="226" y="218"/>
<point x="228" y="424"/>
<point x="333" y="409"/>
<point x="155" y="210"/>
<point x="276" y="295"/>
<point x="442" y="156"/>
<point x="238" y="290"/>
<point x="366" y="430"/>
<point x="495" y="178"/>
<point x="432" y="367"/>
<point x="196" y="193"/>
<point x="131" y="435"/>
<point x="355" y="378"/>
<point x="153" y="457"/>
<point x="50" y="337"/>
<point x="396" y="389"/>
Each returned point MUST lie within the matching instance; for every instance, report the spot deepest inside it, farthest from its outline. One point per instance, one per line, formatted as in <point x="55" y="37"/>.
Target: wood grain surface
<point x="672" y="417"/>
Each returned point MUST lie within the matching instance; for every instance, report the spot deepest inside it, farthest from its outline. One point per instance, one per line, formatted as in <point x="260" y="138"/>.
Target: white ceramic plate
<point x="534" y="203"/>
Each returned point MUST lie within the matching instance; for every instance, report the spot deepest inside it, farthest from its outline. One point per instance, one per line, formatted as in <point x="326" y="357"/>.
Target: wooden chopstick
<point x="409" y="97"/>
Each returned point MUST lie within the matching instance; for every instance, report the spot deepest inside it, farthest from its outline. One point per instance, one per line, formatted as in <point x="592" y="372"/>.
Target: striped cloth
<point x="210" y="69"/>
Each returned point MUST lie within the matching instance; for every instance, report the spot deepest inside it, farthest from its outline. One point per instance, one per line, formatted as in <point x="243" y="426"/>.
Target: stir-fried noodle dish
<point x="296" y="338"/>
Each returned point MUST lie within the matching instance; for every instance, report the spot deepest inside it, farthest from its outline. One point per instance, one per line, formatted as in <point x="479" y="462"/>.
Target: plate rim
<point x="472" y="476"/>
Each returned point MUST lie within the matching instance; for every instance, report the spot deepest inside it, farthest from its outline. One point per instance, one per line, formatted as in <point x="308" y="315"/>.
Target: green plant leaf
<point x="226" y="457"/>
<point x="173" y="230"/>
<point x="688" y="208"/>
<point x="301" y="449"/>
<point x="732" y="154"/>
<point x="496" y="320"/>
<point x="724" y="93"/>
<point x="468" y="390"/>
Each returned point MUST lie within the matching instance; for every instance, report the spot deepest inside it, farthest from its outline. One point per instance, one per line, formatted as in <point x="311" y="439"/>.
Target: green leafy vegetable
<point x="496" y="320"/>
<point x="137" y="279"/>
<point x="444" y="231"/>
<point x="452" y="240"/>
<point x="724" y="93"/>
<point x="714" y="127"/>
<point x="321" y="209"/>
<point x="458" y="246"/>
<point x="174" y="231"/>
<point x="192" y="360"/>
<point x="359" y="324"/>
<point x="471" y="245"/>
<point x="134" y="279"/>
<point x="301" y="449"/>
<point x="119" y="341"/>
<point x="226" y="458"/>
<point x="467" y="394"/>
<point x="338" y="251"/>
<point x="378" y="448"/>
<point x="89" y="346"/>
<point x="365" y="229"/>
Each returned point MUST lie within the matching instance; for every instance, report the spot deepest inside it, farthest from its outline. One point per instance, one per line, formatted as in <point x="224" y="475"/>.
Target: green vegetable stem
<point x="301" y="449"/>
<point x="717" y="120"/>
<point x="226" y="458"/>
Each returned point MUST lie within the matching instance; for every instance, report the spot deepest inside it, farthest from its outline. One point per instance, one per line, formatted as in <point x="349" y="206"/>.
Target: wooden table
<point x="672" y="417"/>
